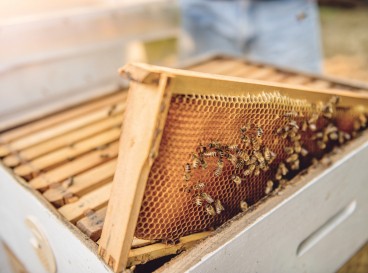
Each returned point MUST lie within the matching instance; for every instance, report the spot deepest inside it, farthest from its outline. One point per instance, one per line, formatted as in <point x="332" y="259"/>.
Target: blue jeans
<point x="280" y="32"/>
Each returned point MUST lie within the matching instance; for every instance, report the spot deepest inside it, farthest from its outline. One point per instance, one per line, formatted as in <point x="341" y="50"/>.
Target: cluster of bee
<point x="330" y="132"/>
<point x="291" y="132"/>
<point x="201" y="198"/>
<point x="259" y="157"/>
<point x="250" y="157"/>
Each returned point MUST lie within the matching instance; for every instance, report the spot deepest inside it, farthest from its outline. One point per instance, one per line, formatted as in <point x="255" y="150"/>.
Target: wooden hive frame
<point x="148" y="101"/>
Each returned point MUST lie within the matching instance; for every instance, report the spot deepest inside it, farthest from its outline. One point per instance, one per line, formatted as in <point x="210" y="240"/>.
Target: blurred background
<point x="54" y="52"/>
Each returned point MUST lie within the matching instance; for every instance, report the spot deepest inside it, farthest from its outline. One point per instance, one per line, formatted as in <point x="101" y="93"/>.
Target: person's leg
<point x="287" y="34"/>
<point x="214" y="26"/>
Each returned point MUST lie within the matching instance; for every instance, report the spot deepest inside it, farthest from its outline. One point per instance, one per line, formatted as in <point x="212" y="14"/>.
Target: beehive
<point x="71" y="156"/>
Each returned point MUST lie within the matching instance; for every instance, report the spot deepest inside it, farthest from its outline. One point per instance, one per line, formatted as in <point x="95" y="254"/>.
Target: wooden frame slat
<point x="91" y="201"/>
<point x="75" y="167"/>
<point x="69" y="152"/>
<point x="81" y="184"/>
<point x="60" y="117"/>
<point x="63" y="140"/>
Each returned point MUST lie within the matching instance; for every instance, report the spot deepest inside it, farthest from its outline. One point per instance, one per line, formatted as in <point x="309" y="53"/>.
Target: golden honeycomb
<point x="169" y="210"/>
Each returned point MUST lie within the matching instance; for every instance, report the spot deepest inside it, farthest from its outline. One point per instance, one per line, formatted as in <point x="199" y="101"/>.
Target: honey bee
<point x="252" y="160"/>
<point x="292" y="158"/>
<point x="334" y="136"/>
<point x="244" y="205"/>
<point x="313" y="119"/>
<point x="207" y="197"/>
<point x="210" y="210"/>
<point x="195" y="161"/>
<point x="321" y="145"/>
<point x="201" y="149"/>
<point x="237" y="180"/>
<point x="210" y="154"/>
<point x="239" y="164"/>
<point x="304" y="126"/>
<point x="214" y="144"/>
<point x="186" y="176"/>
<point x="313" y="127"/>
<point x="218" y="206"/>
<point x="257" y="171"/>
<point x="289" y="150"/>
<point x="294" y="124"/>
<point x="283" y="169"/>
<point x="220" y="153"/>
<point x="264" y="167"/>
<point x="297" y="147"/>
<point x="199" y="186"/>
<point x="259" y="132"/>
<point x="278" y="176"/>
<point x="233" y="159"/>
<point x="297" y="137"/>
<point x="330" y="129"/>
<point x="292" y="135"/>
<point x="246" y="140"/>
<point x="259" y="157"/>
<point x="243" y="155"/>
<point x="203" y="164"/>
<point x="285" y="135"/>
<point x="303" y="152"/>
<point x="220" y="166"/>
<point x="248" y="172"/>
<point x="198" y="200"/>
<point x="267" y="154"/>
<point x="245" y="128"/>
<point x="291" y="114"/>
<point x="233" y="147"/>
<point x="255" y="144"/>
<point x="279" y="131"/>
<point x="295" y="165"/>
<point x="269" y="187"/>
<point x="318" y="135"/>
<point x="187" y="168"/>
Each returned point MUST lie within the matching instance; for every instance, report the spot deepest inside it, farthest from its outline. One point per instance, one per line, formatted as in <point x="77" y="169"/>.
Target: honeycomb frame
<point x="151" y="91"/>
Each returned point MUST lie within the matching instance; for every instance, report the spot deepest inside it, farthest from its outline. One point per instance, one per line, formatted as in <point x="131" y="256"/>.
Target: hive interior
<point x="70" y="156"/>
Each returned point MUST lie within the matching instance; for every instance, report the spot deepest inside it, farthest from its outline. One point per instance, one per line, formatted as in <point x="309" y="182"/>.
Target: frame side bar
<point x="140" y="139"/>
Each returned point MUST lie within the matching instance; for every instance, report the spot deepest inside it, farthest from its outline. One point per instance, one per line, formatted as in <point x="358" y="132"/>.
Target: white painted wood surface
<point x="71" y="252"/>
